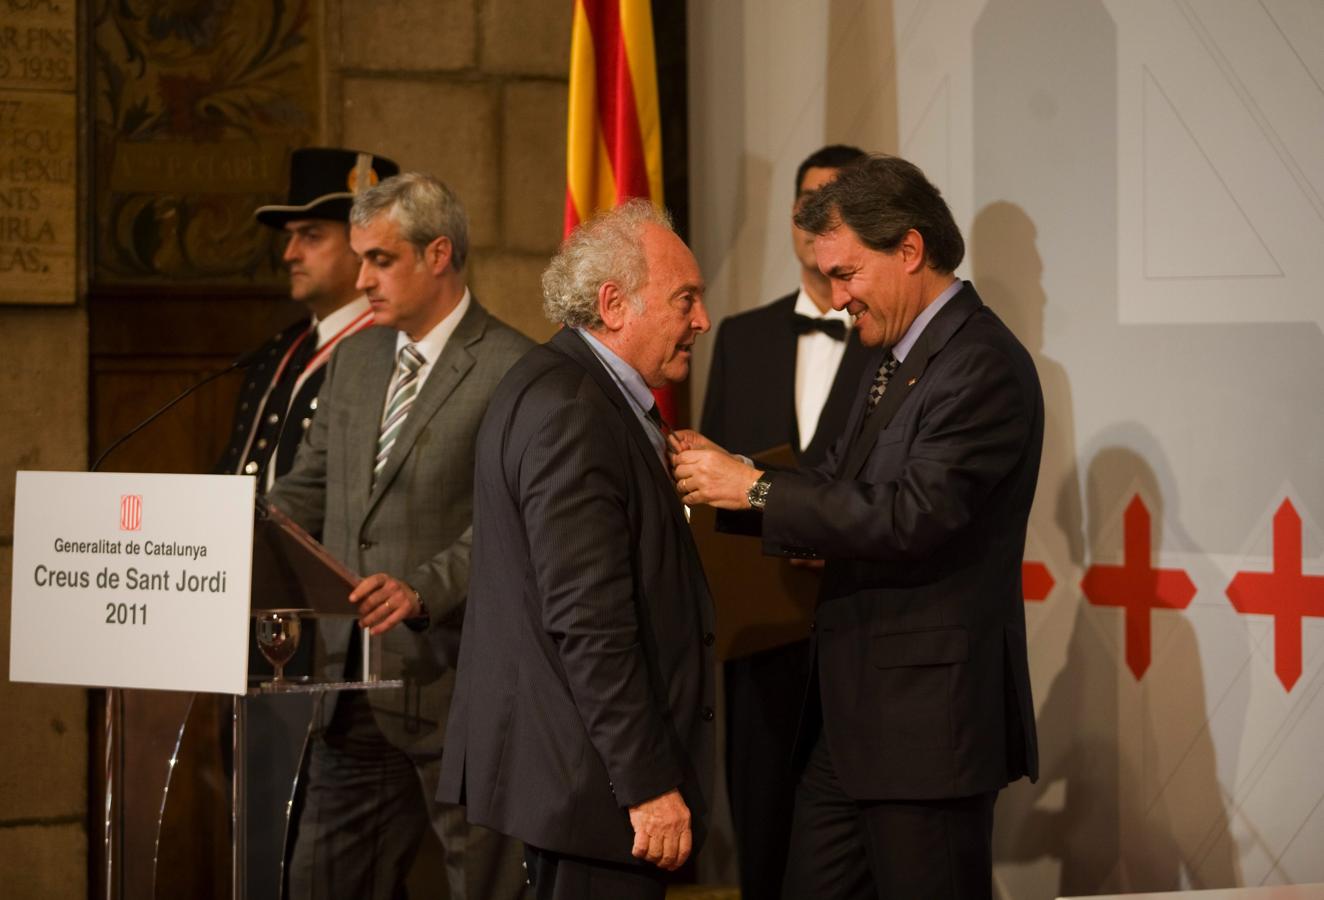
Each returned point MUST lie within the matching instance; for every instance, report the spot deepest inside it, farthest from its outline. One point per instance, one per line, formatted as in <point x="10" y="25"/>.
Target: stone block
<point x="526" y="37"/>
<point x="447" y="129"/>
<point x="533" y="119"/>
<point x="509" y="285"/>
<point x="45" y="405"/>
<point x="40" y="861"/>
<point x="43" y="739"/>
<point x="413" y="35"/>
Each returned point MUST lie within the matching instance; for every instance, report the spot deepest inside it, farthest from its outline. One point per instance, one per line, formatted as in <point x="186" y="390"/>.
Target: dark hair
<point x="833" y="156"/>
<point x="881" y="198"/>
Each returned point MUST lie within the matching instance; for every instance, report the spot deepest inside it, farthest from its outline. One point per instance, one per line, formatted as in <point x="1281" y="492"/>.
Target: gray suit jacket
<point x="415" y="523"/>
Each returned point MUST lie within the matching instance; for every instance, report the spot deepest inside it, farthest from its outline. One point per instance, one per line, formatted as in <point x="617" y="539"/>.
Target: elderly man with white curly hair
<point x="582" y="721"/>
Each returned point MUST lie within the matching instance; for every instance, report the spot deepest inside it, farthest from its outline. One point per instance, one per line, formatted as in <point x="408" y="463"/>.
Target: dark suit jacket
<point x="586" y="674"/>
<point x="281" y="438"/>
<point x="750" y="403"/>
<point x="922" y="515"/>
<point x="415" y="523"/>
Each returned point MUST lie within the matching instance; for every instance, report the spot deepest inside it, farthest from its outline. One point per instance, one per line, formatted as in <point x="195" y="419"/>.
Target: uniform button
<point x="250" y="467"/>
<point x="305" y="423"/>
<point x="708" y="639"/>
<point x="365" y="545"/>
<point x="243" y="407"/>
<point x="273" y="418"/>
<point x="312" y="404"/>
<point x="271" y="352"/>
<point x="261" y="443"/>
<point x="707" y="713"/>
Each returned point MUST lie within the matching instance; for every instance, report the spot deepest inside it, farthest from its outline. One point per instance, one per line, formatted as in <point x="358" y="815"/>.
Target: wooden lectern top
<point x="292" y="571"/>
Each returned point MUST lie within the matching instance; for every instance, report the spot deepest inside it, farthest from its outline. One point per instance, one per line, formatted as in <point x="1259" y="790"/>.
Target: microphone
<point x="242" y="361"/>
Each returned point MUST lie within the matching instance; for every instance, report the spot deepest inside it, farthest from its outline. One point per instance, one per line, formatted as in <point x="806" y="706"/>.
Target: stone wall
<point x="43" y="406"/>
<point x="474" y="92"/>
<point x="43" y="729"/>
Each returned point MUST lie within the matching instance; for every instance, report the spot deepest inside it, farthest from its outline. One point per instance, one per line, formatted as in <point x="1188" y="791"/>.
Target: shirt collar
<point x="337" y="321"/>
<point x="629" y="380"/>
<point x="431" y="344"/>
<point x="902" y="347"/>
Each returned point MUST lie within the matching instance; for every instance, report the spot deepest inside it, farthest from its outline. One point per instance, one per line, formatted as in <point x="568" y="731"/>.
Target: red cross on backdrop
<point x="1036" y="581"/>
<point x="1284" y="593"/>
<point x="1137" y="586"/>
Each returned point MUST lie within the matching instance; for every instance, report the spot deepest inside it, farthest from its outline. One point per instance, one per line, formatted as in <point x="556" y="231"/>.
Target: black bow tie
<point x="833" y="328"/>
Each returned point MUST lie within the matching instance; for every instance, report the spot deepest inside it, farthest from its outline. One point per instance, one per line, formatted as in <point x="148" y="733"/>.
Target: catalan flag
<point x="614" y="137"/>
<point x="614" y="133"/>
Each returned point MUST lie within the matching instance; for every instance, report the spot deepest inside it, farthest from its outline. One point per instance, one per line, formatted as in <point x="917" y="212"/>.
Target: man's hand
<point x="662" y="831"/>
<point x="384" y="602"/>
<point x="705" y="473"/>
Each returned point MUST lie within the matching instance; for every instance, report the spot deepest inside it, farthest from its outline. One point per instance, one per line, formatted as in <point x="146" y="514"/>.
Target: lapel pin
<point x="911" y="382"/>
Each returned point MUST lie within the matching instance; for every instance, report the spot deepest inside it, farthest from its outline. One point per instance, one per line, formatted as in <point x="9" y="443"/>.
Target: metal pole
<point x="113" y="734"/>
<point x="369" y="670"/>
<point x="238" y="788"/>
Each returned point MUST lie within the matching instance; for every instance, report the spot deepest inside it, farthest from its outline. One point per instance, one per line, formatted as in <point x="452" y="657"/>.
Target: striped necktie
<point x="402" y="395"/>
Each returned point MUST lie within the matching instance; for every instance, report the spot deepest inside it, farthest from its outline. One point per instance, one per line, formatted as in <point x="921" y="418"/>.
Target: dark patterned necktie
<point x="880" y="380"/>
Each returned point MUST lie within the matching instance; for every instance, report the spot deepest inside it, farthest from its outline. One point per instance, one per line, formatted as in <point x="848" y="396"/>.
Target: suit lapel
<point x="447" y="372"/>
<point x="364" y="426"/>
<point x="568" y="341"/>
<point x="837" y="407"/>
<point x="783" y="343"/>
<point x="908" y="375"/>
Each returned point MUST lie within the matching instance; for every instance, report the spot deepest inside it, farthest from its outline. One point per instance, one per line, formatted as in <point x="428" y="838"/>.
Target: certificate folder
<point x="762" y="601"/>
<point x="292" y="571"/>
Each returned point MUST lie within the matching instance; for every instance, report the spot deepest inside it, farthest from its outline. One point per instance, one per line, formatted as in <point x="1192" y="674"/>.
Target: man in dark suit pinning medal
<point x="784" y="373"/>
<point x="918" y="710"/>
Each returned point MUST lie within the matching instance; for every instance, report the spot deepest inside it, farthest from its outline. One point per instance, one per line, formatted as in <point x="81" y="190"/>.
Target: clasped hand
<point x="662" y="833"/>
<point x="705" y="473"/>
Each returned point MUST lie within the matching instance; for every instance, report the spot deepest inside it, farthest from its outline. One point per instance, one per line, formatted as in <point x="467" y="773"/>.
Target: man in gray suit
<point x="385" y="476"/>
<point x="583" y="716"/>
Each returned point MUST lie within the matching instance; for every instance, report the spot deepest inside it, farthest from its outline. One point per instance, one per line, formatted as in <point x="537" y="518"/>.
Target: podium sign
<point x="132" y="580"/>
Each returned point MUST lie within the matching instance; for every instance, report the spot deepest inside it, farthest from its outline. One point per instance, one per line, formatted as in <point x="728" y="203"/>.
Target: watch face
<point x="757" y="495"/>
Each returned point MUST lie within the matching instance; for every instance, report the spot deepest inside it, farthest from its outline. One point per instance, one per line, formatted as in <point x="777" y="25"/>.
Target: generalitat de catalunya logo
<point x="131" y="512"/>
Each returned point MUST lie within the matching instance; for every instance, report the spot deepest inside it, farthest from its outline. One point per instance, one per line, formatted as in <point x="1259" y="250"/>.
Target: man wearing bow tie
<point x="784" y="373"/>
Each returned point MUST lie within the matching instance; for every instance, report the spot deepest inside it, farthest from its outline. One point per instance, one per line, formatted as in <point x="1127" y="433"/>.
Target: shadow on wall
<point x="1129" y="797"/>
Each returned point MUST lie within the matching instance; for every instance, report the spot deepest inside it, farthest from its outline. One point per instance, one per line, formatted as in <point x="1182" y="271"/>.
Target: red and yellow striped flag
<point x="614" y="133"/>
<point x="614" y="136"/>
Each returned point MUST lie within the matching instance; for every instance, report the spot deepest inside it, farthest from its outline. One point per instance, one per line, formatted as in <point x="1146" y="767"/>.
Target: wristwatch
<point x="757" y="495"/>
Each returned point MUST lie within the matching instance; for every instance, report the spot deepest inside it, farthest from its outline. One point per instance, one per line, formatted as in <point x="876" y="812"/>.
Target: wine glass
<point x="278" y="638"/>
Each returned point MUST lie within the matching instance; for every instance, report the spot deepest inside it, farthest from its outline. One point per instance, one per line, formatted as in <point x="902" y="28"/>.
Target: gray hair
<point x="423" y="207"/>
<point x="609" y="247"/>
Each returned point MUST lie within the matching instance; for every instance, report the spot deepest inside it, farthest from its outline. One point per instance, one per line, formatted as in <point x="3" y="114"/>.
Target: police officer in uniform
<point x="279" y="397"/>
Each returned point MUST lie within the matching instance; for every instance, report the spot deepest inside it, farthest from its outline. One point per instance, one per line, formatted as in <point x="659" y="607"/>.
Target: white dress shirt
<point x="817" y="358"/>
